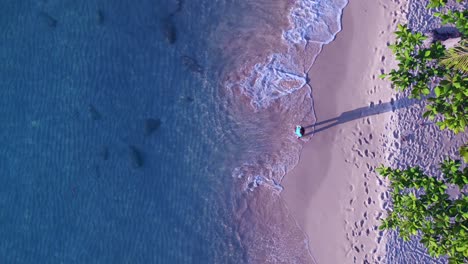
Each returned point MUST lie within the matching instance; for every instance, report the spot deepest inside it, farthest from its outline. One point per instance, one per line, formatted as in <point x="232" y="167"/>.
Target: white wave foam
<point x="271" y="80"/>
<point x="259" y="180"/>
<point x="310" y="21"/>
<point x="315" y="20"/>
<point x="280" y="75"/>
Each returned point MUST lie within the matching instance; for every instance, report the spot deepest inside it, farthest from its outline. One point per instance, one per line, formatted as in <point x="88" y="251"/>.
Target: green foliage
<point x="438" y="3"/>
<point x="451" y="100"/>
<point x="422" y="207"/>
<point x="419" y="70"/>
<point x="416" y="67"/>
<point x="457" y="58"/>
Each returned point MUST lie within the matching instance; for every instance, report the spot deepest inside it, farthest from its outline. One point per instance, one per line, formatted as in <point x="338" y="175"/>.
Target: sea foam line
<point x="315" y="21"/>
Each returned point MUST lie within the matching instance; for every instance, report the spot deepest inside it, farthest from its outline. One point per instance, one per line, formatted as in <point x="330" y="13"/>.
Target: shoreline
<point x="333" y="193"/>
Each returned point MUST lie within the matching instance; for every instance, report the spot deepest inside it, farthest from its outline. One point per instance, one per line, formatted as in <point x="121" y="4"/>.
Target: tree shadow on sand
<point x="361" y="112"/>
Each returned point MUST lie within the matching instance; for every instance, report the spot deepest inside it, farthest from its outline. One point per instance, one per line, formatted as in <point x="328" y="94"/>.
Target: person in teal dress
<point x="299" y="131"/>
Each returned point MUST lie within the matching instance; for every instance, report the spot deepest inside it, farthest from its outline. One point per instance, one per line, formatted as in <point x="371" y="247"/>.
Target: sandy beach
<point x="333" y="192"/>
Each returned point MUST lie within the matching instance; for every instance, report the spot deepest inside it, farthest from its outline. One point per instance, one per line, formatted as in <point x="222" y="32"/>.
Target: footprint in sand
<point x="361" y="223"/>
<point x="379" y="239"/>
<point x="379" y="182"/>
<point x="356" y="249"/>
<point x="368" y="166"/>
<point x="382" y="196"/>
<point x="378" y="216"/>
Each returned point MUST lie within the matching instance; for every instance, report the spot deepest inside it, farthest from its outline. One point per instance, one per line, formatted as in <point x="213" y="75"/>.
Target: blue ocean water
<point x="106" y="150"/>
<point x="155" y="131"/>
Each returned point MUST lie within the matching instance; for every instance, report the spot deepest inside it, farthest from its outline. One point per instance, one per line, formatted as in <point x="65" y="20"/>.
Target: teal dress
<point x="298" y="131"/>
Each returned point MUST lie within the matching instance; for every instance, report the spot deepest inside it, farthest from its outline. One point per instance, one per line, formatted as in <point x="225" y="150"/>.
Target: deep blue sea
<point x="106" y="154"/>
<point x="128" y="133"/>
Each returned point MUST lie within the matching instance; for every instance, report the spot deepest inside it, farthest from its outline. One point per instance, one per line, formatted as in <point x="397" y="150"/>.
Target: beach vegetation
<point x="439" y="3"/>
<point x="433" y="72"/>
<point x="456" y="58"/>
<point x="421" y="204"/>
<point x="423" y="208"/>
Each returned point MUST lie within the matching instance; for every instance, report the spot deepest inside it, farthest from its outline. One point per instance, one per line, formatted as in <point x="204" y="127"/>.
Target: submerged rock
<point x="151" y="125"/>
<point x="48" y="19"/>
<point x="104" y="153"/>
<point x="176" y="6"/>
<point x="93" y="113"/>
<point x="169" y="30"/>
<point x="97" y="171"/>
<point x="189" y="99"/>
<point x="186" y="99"/>
<point x="100" y="17"/>
<point x="192" y="64"/>
<point x="179" y="5"/>
<point x="136" y="157"/>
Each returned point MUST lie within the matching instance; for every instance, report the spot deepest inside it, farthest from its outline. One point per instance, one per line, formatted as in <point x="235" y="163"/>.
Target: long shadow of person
<point x="360" y="113"/>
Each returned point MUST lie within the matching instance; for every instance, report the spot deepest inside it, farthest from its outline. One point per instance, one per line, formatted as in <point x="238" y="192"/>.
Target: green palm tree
<point x="457" y="58"/>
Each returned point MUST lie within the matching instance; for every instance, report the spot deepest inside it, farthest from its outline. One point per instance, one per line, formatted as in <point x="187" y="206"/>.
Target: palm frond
<point x="457" y="57"/>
